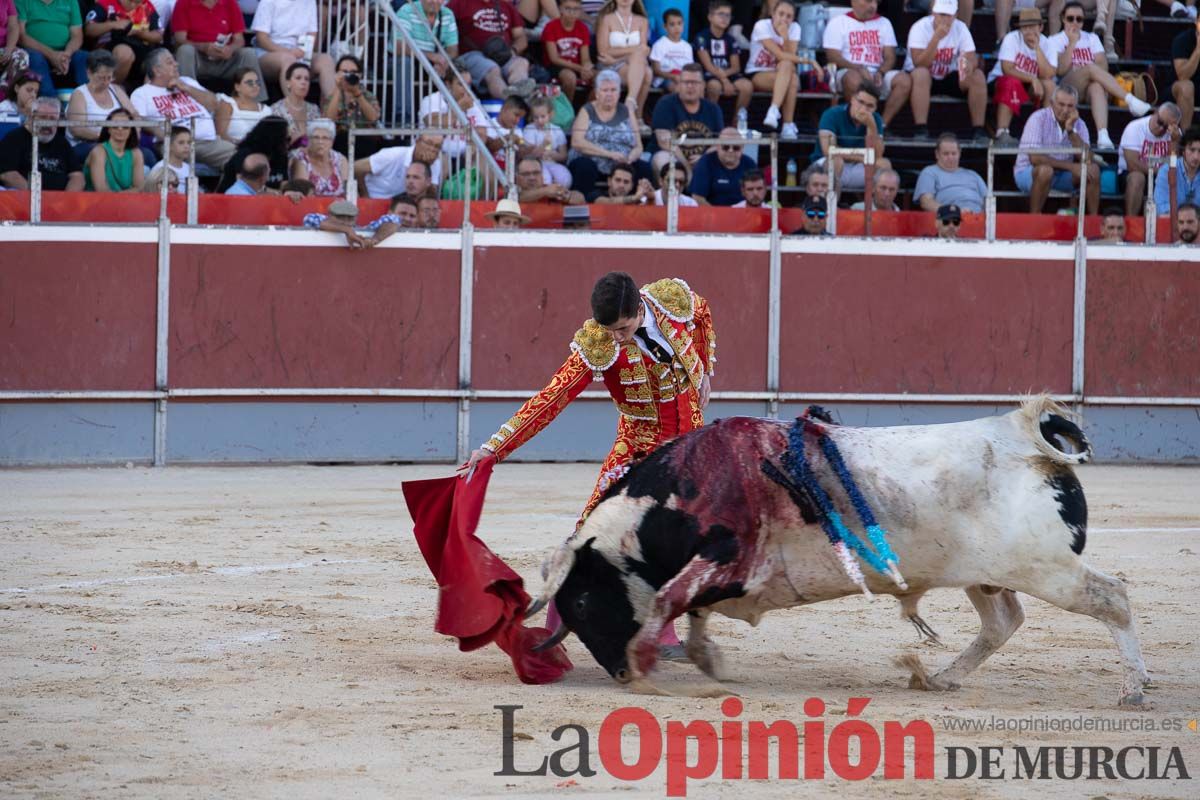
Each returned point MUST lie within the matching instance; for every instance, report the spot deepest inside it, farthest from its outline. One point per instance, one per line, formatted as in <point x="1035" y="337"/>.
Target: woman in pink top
<point x="319" y="163"/>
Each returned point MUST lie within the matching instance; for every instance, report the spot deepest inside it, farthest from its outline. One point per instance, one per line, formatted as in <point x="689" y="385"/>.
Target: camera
<point x="352" y="79"/>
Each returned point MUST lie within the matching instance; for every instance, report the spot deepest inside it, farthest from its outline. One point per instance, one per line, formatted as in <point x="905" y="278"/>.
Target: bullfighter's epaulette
<point x="595" y="345"/>
<point x="673" y="297"/>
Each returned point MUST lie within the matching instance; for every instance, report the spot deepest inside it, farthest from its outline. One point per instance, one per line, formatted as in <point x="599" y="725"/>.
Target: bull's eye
<point x="581" y="606"/>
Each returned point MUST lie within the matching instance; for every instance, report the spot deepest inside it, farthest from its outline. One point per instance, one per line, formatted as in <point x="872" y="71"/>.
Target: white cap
<point x="945" y="6"/>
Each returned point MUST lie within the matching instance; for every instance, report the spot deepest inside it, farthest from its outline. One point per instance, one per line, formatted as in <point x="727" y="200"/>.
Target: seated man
<point x="417" y="178"/>
<point x="946" y="182"/>
<point x="1185" y="55"/>
<point x="883" y="194"/>
<point x="1036" y="174"/>
<point x="1112" y="227"/>
<point x="385" y="173"/>
<point x="853" y="124"/>
<point x="686" y="111"/>
<point x="815" y="180"/>
<point x="57" y="162"/>
<point x="815" y="211"/>
<point x="492" y="42"/>
<point x="625" y="189"/>
<point x="1021" y="63"/>
<point x="167" y="95"/>
<point x="682" y="180"/>
<point x="1187" y="175"/>
<point x="947" y="221"/>
<point x="429" y="210"/>
<point x="717" y="176"/>
<point x="1152" y="136"/>
<point x="1187" y="223"/>
<point x="754" y="190"/>
<point x="280" y="28"/>
<point x="209" y="42"/>
<point x="531" y="182"/>
<point x="942" y="60"/>
<point x="862" y="45"/>
<point x="252" y="177"/>
<point x="51" y="32"/>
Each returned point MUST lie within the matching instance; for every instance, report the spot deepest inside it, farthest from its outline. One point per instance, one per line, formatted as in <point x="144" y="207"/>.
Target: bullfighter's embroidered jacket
<point x="656" y="402"/>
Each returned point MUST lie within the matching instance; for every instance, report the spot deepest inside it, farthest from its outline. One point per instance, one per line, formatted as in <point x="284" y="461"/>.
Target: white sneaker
<point x="1103" y="141"/>
<point x="1178" y="10"/>
<point x="771" y="120"/>
<point x="1191" y="12"/>
<point x="1138" y="108"/>
<point x="789" y="131"/>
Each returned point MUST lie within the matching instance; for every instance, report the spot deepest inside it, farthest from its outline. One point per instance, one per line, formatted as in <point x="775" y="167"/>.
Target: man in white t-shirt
<point x="166" y="95"/>
<point x="1153" y="136"/>
<point x="941" y="58"/>
<point x="383" y="174"/>
<point x="862" y="45"/>
<point x="1079" y="61"/>
<point x="1022" y="73"/>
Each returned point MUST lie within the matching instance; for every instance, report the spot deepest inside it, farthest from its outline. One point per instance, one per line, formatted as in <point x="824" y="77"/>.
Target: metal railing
<point x="831" y="198"/>
<point x="671" y="196"/>
<point x="397" y="72"/>
<point x="35" y="174"/>
<point x="990" y="203"/>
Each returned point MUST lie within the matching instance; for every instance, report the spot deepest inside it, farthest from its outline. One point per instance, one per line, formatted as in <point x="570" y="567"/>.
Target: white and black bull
<point x="705" y="524"/>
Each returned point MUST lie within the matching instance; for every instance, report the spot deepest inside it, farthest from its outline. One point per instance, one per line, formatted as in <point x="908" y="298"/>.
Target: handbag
<point x="1139" y="84"/>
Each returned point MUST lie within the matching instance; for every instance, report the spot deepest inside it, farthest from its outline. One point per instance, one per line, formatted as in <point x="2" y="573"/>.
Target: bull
<point x="706" y="524"/>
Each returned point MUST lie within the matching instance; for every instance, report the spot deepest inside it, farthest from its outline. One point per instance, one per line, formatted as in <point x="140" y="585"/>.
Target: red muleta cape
<point x="480" y="598"/>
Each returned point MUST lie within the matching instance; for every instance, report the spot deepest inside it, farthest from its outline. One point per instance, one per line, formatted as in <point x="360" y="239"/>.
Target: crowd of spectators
<point x="244" y="88"/>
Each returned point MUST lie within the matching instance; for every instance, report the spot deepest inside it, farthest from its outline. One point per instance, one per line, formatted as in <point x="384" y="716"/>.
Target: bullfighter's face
<point x="594" y="603"/>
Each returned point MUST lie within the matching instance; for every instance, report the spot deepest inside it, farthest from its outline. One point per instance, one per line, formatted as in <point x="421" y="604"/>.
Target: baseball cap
<point x="945" y="6"/>
<point x="815" y="204"/>
<point x="949" y="211"/>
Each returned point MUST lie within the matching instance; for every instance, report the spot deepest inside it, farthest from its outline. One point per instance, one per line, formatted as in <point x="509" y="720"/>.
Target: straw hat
<point x="1029" y="16"/>
<point x="508" y="208"/>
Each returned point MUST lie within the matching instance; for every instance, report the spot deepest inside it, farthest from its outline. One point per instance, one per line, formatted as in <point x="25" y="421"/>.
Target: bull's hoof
<point x="920" y="677"/>
<point x="707" y="657"/>
<point x="1134" y="701"/>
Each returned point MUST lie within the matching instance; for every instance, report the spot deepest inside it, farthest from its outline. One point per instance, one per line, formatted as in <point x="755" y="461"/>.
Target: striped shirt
<point x="413" y="18"/>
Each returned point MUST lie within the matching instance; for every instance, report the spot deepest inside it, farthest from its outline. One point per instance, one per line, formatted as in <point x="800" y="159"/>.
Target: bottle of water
<point x="792" y="172"/>
<point x="743" y="123"/>
<point x="805" y="52"/>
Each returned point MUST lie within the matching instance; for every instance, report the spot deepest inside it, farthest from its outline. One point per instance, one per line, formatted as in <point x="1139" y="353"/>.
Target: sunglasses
<point x="731" y="148"/>
<point x="814" y="214"/>
<point x="954" y="222"/>
<point x="1073" y="19"/>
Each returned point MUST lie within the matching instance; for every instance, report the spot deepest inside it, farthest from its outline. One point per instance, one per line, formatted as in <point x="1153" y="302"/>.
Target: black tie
<point x="660" y="353"/>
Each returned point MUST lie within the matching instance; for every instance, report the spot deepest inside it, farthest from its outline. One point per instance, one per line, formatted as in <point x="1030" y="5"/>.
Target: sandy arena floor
<point x="268" y="632"/>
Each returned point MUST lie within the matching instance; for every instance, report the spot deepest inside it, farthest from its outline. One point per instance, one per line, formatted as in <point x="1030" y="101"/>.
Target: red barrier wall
<point x="1143" y="329"/>
<point x="924" y="325"/>
<point x="222" y="210"/>
<point x="77" y="316"/>
<point x="294" y="317"/>
<point x="529" y="302"/>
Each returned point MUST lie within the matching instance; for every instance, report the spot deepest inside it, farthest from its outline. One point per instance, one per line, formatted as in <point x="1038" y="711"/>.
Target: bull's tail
<point x="1053" y="430"/>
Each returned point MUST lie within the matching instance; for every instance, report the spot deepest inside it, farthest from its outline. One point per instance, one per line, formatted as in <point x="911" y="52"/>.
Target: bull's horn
<point x="554" y="639"/>
<point x="535" y="607"/>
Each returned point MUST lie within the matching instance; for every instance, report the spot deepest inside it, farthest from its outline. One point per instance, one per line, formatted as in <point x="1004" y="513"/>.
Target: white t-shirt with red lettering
<point x="953" y="45"/>
<point x="860" y="41"/>
<point x="1137" y="137"/>
<point x="155" y="102"/>
<point x="1014" y="50"/>
<point x="760" y="57"/>
<point x="1086" y="48"/>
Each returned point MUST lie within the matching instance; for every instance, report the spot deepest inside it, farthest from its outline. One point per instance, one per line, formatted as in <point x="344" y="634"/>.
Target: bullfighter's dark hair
<point x="614" y="297"/>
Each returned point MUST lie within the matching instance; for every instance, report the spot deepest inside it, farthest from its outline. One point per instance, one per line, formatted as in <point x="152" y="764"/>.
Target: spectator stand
<point x="35" y="174"/>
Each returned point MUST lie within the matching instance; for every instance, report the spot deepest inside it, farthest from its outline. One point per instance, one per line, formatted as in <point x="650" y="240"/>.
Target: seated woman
<point x="94" y="101"/>
<point x="115" y="164"/>
<point x="236" y="115"/>
<point x="20" y="94"/>
<point x="623" y="45"/>
<point x="294" y="107"/>
<point x="319" y="163"/>
<point x="604" y="135"/>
